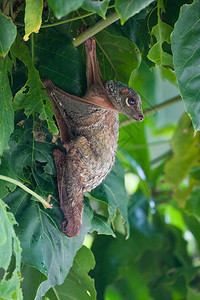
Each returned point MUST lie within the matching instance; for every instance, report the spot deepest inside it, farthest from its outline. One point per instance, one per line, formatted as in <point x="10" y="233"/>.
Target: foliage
<point x="150" y="200"/>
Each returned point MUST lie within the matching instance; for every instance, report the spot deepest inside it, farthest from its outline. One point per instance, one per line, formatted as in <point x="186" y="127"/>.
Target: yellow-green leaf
<point x="8" y="34"/>
<point x="33" y="17"/>
<point x="185" y="152"/>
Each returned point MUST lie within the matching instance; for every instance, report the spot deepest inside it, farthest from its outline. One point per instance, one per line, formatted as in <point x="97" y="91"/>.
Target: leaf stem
<point x="152" y="110"/>
<point x="25" y="188"/>
<point x="111" y="18"/>
<point x="67" y="21"/>
<point x="32" y="48"/>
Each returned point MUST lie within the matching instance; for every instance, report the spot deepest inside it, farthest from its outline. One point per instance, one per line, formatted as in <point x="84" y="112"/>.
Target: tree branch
<point x="96" y="28"/>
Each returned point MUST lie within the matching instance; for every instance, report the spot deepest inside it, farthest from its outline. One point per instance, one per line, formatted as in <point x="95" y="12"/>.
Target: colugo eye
<point x="130" y="101"/>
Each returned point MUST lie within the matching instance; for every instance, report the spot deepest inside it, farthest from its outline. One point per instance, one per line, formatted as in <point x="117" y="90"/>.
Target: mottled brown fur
<point x="91" y="124"/>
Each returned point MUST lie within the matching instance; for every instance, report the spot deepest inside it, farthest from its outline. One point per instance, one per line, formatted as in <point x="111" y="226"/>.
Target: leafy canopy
<point x="150" y="200"/>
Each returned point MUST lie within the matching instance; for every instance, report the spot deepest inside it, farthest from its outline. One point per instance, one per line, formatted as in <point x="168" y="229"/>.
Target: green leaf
<point x="62" y="8"/>
<point x="56" y="58"/>
<point x="162" y="32"/>
<point x="100" y="224"/>
<point x="131" y="138"/>
<point x="6" y="170"/>
<point x="9" y="245"/>
<point x="44" y="246"/>
<point x="77" y="285"/>
<point x="33" y="17"/>
<point x="195" y="172"/>
<point x="32" y="97"/>
<point x="193" y="202"/>
<point x="6" y="111"/>
<point x="99" y="7"/>
<point x="112" y="191"/>
<point x="119" y="55"/>
<point x="128" y="8"/>
<point x="185" y="48"/>
<point x="8" y="34"/>
<point x="185" y="152"/>
<point x="117" y="253"/>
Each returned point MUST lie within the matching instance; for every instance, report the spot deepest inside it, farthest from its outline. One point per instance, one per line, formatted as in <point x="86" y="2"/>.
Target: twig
<point x="25" y="188"/>
<point x="96" y="28"/>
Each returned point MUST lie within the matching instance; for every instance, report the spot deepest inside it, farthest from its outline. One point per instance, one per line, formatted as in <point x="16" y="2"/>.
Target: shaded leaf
<point x="99" y="7"/>
<point x="77" y="285"/>
<point x="62" y="8"/>
<point x="195" y="172"/>
<point x="186" y="49"/>
<point x="56" y="58"/>
<point x="112" y="191"/>
<point x="101" y="225"/>
<point x="119" y="253"/>
<point x="119" y="55"/>
<point x="33" y="17"/>
<point x="6" y="111"/>
<point x="44" y="246"/>
<point x="193" y="202"/>
<point x="9" y="245"/>
<point x="32" y="97"/>
<point x="128" y="8"/>
<point x="6" y="170"/>
<point x="8" y="34"/>
<point x="185" y="152"/>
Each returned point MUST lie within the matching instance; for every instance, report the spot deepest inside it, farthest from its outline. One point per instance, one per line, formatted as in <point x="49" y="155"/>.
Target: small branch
<point x="68" y="20"/>
<point x="25" y="188"/>
<point x="96" y="28"/>
<point x="161" y="157"/>
<point x="152" y="110"/>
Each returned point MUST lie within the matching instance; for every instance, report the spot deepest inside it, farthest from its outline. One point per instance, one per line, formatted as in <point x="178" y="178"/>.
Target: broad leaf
<point x="101" y="225"/>
<point x="185" y="48"/>
<point x="99" y="7"/>
<point x="32" y="97"/>
<point x="33" y="17"/>
<point x="77" y="285"/>
<point x="44" y="246"/>
<point x="162" y="32"/>
<point x="195" y="172"/>
<point x="8" y="34"/>
<point x="118" y="252"/>
<point x="112" y="191"/>
<point x="62" y="8"/>
<point x="185" y="152"/>
<point x="128" y="8"/>
<point x="56" y="58"/>
<point x="119" y="55"/>
<point x="185" y="155"/>
<point x="6" y="111"/>
<point x="9" y="245"/>
<point x="193" y="202"/>
<point x="6" y="170"/>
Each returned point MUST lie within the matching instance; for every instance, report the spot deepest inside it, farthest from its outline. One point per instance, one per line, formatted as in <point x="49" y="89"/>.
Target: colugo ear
<point x="124" y="92"/>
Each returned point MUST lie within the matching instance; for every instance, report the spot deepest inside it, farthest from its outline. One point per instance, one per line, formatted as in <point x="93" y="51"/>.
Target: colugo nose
<point x="140" y="118"/>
